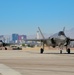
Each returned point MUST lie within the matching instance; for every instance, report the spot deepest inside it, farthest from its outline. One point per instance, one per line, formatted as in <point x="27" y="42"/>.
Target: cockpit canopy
<point x="1" y="41"/>
<point x="61" y="33"/>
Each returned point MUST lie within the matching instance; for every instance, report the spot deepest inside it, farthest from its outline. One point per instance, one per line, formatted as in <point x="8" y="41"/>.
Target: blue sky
<point x="24" y="16"/>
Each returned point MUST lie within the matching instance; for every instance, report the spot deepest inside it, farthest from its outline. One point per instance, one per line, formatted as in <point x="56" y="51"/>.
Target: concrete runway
<point x="31" y="62"/>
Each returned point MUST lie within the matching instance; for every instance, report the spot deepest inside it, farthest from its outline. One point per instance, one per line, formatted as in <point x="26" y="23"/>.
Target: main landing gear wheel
<point x="5" y="48"/>
<point x="68" y="50"/>
<point x="60" y="51"/>
<point x="41" y="50"/>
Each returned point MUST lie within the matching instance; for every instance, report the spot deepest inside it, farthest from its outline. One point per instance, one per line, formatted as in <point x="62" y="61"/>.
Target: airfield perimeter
<point x="31" y="62"/>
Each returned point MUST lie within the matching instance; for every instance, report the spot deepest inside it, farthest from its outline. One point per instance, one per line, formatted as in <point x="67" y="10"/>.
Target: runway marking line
<point x="0" y="74"/>
<point x="5" y="70"/>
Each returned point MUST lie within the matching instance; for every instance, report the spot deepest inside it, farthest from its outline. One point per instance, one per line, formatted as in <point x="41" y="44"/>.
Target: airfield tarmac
<point x="31" y="62"/>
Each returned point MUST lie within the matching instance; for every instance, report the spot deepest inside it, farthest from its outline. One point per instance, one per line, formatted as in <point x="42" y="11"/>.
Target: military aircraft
<point x="2" y="44"/>
<point x="59" y="39"/>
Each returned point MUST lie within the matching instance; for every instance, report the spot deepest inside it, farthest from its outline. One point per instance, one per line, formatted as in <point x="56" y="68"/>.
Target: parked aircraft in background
<point x="59" y="39"/>
<point x="2" y="44"/>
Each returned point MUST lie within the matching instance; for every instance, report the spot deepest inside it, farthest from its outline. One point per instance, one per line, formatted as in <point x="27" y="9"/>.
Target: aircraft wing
<point x="6" y="44"/>
<point x="71" y="39"/>
<point x="41" y="40"/>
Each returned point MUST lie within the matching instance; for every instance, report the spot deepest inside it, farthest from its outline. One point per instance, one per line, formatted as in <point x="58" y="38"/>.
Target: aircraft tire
<point x="68" y="50"/>
<point x="5" y="48"/>
<point x="41" y="50"/>
<point x="60" y="51"/>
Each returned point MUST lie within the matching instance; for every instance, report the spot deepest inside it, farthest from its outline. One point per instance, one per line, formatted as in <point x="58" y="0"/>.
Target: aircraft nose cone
<point x="62" y="37"/>
<point x="0" y="42"/>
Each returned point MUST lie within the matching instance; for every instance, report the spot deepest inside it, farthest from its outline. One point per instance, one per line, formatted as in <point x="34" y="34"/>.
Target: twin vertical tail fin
<point x="41" y="33"/>
<point x="42" y="37"/>
<point x="63" y="29"/>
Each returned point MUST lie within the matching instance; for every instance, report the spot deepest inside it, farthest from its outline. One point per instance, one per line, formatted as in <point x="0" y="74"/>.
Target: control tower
<point x="38" y="37"/>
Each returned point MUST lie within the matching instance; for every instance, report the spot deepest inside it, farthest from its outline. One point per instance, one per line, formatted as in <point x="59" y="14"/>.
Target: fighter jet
<point x="59" y="39"/>
<point x="2" y="44"/>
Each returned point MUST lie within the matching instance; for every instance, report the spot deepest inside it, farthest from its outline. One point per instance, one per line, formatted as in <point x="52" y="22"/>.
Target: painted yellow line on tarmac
<point x="5" y="70"/>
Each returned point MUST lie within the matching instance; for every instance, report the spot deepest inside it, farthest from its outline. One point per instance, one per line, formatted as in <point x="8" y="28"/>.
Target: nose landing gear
<point x="41" y="50"/>
<point x="60" y="51"/>
<point x="68" y="50"/>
